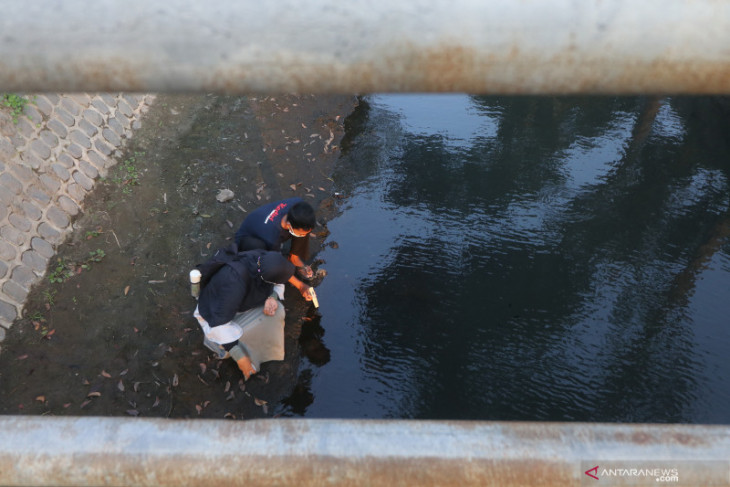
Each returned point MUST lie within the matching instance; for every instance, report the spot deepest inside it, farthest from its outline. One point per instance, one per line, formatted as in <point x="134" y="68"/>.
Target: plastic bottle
<point x="314" y="297"/>
<point x="195" y="283"/>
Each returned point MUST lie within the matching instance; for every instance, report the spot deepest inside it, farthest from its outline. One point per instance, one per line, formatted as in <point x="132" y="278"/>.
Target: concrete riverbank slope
<point x="51" y="155"/>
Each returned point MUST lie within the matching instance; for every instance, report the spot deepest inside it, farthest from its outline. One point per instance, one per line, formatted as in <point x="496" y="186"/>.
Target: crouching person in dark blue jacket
<point x="235" y="305"/>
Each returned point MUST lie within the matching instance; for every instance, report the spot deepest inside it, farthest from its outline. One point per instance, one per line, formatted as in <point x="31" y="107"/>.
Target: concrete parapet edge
<point x="50" y="157"/>
<point x="319" y="452"/>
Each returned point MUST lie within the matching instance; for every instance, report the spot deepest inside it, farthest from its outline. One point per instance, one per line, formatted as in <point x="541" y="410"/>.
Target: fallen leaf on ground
<point x="175" y="381"/>
<point x="41" y="398"/>
<point x="120" y="385"/>
<point x="94" y="394"/>
<point x="259" y="402"/>
<point x="126" y="290"/>
<point x="23" y="357"/>
<point x="106" y="374"/>
<point x="157" y="402"/>
<point x="199" y="408"/>
<point x="84" y="404"/>
<point x="228" y="386"/>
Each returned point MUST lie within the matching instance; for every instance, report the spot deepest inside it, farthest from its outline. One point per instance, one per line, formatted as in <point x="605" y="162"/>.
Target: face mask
<point x="291" y="231"/>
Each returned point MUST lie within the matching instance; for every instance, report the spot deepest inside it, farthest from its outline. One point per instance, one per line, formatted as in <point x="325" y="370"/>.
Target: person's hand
<point x="305" y="292"/>
<point x="247" y="368"/>
<point x="306" y="272"/>
<point x="270" y="306"/>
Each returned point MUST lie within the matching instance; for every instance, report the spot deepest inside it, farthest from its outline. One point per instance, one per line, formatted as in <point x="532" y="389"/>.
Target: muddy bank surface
<point x="114" y="334"/>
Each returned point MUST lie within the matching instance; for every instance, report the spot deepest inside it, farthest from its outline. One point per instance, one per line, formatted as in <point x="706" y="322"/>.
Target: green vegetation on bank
<point x="64" y="270"/>
<point x="127" y="174"/>
<point x="16" y="103"/>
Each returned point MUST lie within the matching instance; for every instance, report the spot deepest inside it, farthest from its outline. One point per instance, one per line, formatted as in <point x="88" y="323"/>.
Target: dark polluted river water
<point x="549" y="259"/>
<point x="492" y="258"/>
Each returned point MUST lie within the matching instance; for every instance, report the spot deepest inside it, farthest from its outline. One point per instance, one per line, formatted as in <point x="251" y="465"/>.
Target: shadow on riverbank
<point x="114" y="334"/>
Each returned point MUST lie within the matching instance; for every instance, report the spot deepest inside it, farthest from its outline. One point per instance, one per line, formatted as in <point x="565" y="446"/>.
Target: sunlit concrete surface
<point x="327" y="46"/>
<point x="304" y="452"/>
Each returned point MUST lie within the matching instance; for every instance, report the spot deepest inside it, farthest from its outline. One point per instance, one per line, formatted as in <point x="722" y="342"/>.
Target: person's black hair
<point x="301" y="216"/>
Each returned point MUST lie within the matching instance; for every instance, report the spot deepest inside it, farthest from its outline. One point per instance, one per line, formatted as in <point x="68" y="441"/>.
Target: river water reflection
<point x="527" y="258"/>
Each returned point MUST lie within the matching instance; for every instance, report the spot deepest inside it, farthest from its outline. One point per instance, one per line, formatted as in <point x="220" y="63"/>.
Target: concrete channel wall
<point x="51" y="156"/>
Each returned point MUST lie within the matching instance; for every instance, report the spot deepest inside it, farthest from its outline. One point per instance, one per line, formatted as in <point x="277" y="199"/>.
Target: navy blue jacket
<point x="264" y="223"/>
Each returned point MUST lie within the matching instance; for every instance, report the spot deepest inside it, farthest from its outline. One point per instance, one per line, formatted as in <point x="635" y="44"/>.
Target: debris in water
<point x="262" y="403"/>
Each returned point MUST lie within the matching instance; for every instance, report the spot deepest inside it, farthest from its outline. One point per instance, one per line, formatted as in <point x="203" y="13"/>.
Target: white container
<point x="195" y="283"/>
<point x="314" y="297"/>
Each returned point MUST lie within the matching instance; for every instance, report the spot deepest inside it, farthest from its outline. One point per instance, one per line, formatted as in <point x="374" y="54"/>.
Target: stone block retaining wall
<point x="49" y="160"/>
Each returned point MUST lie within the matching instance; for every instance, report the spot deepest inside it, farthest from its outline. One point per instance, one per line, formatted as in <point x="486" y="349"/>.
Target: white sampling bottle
<point x="195" y="283"/>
